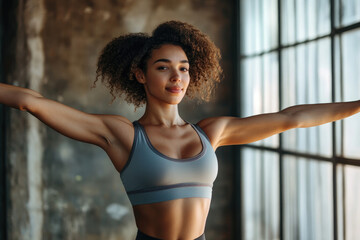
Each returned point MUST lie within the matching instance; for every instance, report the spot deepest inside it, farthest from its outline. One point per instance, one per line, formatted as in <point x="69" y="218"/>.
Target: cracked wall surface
<point x="63" y="189"/>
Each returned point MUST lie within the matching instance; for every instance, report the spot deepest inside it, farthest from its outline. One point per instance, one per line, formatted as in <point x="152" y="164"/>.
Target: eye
<point x="184" y="69"/>
<point x="161" y="68"/>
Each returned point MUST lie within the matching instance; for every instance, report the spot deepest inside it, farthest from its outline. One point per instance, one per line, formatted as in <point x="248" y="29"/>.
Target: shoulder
<point x="212" y="123"/>
<point x="120" y="130"/>
<point x="116" y="119"/>
<point x="214" y="127"/>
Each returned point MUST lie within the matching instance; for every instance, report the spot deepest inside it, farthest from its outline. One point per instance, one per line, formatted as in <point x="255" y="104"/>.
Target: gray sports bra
<point x="149" y="176"/>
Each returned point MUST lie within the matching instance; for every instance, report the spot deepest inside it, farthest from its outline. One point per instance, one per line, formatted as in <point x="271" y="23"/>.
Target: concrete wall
<point x="63" y="189"/>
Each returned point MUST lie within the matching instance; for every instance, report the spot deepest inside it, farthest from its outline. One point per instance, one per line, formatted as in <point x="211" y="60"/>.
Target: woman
<point x="166" y="164"/>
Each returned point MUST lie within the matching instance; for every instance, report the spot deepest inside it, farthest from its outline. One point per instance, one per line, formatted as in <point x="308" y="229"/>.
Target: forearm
<point x="16" y="97"/>
<point x="310" y="115"/>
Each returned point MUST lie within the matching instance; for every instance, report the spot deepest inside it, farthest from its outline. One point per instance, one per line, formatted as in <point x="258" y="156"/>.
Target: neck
<point x="167" y="115"/>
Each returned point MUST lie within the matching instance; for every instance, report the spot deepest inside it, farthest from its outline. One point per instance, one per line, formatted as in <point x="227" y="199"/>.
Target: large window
<point x="305" y="183"/>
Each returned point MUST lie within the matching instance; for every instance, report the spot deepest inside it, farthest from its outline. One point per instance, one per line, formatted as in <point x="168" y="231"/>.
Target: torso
<point x="175" y="219"/>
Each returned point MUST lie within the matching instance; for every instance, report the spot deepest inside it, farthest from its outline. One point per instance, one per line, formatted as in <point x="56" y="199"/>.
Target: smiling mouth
<point x="174" y="89"/>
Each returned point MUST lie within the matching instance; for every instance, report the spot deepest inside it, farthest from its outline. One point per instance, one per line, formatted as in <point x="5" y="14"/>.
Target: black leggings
<point x="143" y="236"/>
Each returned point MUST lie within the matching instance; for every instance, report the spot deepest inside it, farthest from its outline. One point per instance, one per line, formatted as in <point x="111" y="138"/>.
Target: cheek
<point x="187" y="81"/>
<point x="153" y="80"/>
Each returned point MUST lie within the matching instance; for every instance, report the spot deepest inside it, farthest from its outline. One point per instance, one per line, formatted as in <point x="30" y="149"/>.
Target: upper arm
<point x="85" y="127"/>
<point x="234" y="131"/>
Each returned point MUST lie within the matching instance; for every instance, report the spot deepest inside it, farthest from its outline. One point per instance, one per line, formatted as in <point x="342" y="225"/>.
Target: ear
<point x="140" y="76"/>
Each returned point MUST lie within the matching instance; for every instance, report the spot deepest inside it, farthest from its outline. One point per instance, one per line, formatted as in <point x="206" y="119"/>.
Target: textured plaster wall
<point x="63" y="189"/>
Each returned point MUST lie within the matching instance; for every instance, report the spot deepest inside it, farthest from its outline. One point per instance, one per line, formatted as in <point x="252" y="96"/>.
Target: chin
<point x="174" y="102"/>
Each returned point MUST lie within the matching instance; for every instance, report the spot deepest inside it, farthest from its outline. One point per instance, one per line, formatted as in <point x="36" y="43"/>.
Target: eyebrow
<point x="168" y="60"/>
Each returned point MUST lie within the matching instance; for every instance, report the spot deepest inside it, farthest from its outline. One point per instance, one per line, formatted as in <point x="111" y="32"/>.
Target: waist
<point x="177" y="219"/>
<point x="142" y="236"/>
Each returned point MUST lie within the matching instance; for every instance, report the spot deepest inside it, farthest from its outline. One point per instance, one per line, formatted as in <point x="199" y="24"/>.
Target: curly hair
<point x="123" y="55"/>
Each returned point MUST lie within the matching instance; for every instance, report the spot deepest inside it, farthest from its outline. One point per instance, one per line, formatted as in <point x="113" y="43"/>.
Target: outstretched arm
<point x="90" y="128"/>
<point x="232" y="131"/>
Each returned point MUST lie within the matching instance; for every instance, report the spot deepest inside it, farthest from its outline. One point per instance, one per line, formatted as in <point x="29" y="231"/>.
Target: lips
<point x="175" y="89"/>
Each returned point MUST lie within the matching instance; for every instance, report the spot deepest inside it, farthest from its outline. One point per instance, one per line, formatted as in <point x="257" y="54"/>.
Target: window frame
<point x="337" y="161"/>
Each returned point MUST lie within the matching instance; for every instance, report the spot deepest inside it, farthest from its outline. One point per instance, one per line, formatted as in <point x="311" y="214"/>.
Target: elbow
<point x="24" y="105"/>
<point x="29" y="102"/>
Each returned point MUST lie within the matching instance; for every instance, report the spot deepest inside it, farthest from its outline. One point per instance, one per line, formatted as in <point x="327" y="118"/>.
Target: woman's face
<point x="167" y="75"/>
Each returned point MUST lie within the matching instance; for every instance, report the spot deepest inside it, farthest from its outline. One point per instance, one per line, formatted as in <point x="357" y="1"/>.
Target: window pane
<point x="349" y="12"/>
<point x="260" y="89"/>
<point x="308" y="205"/>
<point x="349" y="196"/>
<point x="306" y="79"/>
<point x="259" y="25"/>
<point x="270" y="24"/>
<point x="260" y="184"/>
<point x="303" y="20"/>
<point x="249" y="23"/>
<point x="323" y="17"/>
<point x="349" y="128"/>
<point x="288" y="21"/>
<point x="252" y="86"/>
<point x="300" y="26"/>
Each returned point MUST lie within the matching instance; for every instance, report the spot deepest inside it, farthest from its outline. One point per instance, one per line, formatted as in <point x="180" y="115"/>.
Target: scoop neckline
<point x="193" y="158"/>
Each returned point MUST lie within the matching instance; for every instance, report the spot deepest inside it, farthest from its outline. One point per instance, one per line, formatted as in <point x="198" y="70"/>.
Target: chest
<point x="156" y="162"/>
<point x="179" y="142"/>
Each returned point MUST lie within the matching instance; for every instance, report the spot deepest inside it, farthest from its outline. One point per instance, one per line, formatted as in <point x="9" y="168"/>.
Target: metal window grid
<point x="334" y="159"/>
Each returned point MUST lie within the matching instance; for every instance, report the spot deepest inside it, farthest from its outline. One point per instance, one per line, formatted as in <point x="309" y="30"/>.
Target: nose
<point x="175" y="77"/>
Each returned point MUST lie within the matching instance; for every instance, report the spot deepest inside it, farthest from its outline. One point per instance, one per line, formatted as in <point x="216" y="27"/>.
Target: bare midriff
<point x="173" y="220"/>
